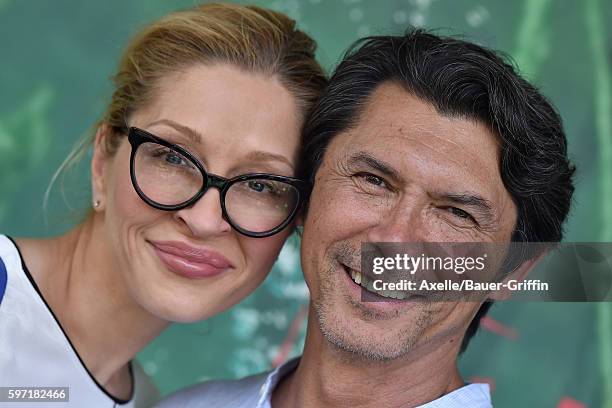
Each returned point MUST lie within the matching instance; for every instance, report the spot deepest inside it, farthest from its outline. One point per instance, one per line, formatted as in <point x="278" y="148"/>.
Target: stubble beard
<point x="347" y="333"/>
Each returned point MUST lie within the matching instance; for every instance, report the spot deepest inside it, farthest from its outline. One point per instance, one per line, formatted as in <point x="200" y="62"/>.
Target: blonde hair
<point x="252" y="38"/>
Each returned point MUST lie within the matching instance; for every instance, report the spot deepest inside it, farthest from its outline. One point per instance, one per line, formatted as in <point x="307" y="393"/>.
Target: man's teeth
<point x="367" y="284"/>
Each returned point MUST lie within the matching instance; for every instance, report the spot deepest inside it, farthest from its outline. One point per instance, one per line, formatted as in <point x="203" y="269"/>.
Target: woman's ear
<point x="99" y="162"/>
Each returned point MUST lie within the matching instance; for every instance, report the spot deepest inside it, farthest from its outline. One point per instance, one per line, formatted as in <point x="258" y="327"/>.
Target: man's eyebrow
<point x="375" y="163"/>
<point x="261" y="156"/>
<point x="191" y="133"/>
<point x="483" y="206"/>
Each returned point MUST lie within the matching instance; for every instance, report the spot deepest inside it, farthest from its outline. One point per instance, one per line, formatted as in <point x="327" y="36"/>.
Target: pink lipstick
<point x="189" y="261"/>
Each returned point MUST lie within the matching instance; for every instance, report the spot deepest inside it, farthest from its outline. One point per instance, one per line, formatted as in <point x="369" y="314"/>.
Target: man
<point x="418" y="138"/>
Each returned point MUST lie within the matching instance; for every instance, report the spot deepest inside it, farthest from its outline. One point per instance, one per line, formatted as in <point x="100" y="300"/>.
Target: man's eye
<point x="458" y="212"/>
<point x="372" y="179"/>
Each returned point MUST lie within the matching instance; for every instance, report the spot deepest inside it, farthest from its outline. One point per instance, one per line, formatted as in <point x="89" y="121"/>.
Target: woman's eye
<point x="170" y="157"/>
<point x="174" y="159"/>
<point x="259" y="187"/>
<point x="254" y="185"/>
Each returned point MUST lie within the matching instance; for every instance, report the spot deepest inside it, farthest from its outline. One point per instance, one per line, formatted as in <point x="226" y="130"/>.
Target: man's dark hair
<point x="460" y="79"/>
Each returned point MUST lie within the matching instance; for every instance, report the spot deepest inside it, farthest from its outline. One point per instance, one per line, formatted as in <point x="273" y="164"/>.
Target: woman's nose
<point x="205" y="217"/>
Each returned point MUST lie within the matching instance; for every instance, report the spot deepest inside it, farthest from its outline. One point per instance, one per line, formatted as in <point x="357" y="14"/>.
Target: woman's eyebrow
<point x="261" y="156"/>
<point x="191" y="133"/>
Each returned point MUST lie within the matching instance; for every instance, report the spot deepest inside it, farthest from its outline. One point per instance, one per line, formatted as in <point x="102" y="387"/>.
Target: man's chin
<point x="379" y="329"/>
<point x="379" y="333"/>
<point x="365" y="340"/>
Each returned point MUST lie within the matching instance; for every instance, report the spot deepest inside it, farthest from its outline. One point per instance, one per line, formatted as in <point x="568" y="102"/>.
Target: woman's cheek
<point x="128" y="205"/>
<point x="261" y="253"/>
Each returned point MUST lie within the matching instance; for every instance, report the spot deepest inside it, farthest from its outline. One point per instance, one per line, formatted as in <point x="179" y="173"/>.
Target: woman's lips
<point x="189" y="261"/>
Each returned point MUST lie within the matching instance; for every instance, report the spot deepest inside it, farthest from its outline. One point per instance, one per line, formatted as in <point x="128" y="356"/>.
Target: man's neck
<point x="327" y="376"/>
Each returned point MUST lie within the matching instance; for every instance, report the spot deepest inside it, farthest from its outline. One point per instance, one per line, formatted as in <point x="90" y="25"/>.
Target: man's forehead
<point x="397" y="123"/>
<point x="392" y="110"/>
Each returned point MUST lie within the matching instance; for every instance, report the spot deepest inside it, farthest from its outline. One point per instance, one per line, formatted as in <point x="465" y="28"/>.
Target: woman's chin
<point x="182" y="315"/>
<point x="180" y="301"/>
<point x="177" y="308"/>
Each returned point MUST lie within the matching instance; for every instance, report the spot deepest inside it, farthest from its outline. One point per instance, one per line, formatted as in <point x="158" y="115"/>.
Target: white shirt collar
<point x="470" y="395"/>
<point x="272" y="380"/>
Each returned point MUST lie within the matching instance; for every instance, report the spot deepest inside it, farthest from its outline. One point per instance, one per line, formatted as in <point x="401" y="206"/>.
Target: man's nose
<point x="205" y="217"/>
<point x="403" y="223"/>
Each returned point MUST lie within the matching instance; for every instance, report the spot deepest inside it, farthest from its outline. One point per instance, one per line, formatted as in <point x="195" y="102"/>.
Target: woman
<point x="193" y="194"/>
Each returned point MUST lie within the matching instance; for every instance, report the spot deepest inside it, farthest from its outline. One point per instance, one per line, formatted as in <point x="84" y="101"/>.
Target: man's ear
<point x="99" y="162"/>
<point x="519" y="274"/>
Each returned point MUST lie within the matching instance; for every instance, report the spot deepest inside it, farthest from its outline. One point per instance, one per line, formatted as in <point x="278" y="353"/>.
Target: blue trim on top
<point x="3" y="280"/>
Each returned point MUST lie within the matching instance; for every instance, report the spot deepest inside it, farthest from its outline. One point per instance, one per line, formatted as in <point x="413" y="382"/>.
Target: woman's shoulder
<point x="13" y="255"/>
<point x="17" y="287"/>
<point x="19" y="292"/>
<point x="35" y="351"/>
<point x="12" y="250"/>
<point x="8" y="249"/>
<point x="4" y="253"/>
<point x="10" y="262"/>
<point x="31" y="258"/>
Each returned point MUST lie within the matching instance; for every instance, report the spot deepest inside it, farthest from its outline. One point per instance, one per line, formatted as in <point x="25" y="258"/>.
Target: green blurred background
<point x="57" y="57"/>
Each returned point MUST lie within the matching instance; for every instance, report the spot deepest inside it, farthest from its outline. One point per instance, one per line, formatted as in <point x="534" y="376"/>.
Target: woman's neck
<point x="79" y="278"/>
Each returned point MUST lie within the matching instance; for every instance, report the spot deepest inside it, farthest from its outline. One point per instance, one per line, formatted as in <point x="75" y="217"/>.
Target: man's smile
<point x="369" y="293"/>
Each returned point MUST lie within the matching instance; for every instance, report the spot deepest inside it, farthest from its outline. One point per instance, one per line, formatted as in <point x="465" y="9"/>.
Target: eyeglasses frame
<point x="137" y="136"/>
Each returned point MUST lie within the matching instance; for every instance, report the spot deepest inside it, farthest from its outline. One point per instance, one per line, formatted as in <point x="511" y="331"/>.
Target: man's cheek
<point x="349" y="211"/>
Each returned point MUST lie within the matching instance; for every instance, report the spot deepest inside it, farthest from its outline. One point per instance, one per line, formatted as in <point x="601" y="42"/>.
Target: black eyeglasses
<point x="169" y="178"/>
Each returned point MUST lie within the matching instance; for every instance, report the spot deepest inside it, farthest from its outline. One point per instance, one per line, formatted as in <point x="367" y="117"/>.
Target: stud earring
<point x="96" y="204"/>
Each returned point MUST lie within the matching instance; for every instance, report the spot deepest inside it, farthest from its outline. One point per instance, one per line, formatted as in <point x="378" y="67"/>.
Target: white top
<point x="35" y="351"/>
<point x="256" y="392"/>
